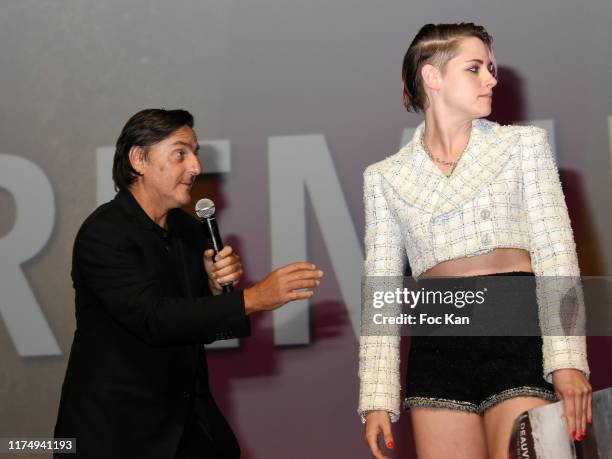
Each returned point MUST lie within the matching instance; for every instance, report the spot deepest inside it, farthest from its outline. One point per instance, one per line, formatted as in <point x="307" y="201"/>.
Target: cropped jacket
<point x="504" y="193"/>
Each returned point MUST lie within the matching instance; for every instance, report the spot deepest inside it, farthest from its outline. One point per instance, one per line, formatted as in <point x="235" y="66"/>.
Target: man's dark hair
<point x="144" y="129"/>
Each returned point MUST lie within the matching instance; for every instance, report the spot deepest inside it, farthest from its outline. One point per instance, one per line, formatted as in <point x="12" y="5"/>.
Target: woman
<point x="466" y="197"/>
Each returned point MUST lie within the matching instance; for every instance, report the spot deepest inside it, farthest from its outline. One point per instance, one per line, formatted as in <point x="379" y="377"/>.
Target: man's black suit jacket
<point x="137" y="369"/>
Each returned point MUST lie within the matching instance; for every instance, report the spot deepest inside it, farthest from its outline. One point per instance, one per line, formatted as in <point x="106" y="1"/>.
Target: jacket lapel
<point x="418" y="181"/>
<point x="413" y="176"/>
<point x="486" y="155"/>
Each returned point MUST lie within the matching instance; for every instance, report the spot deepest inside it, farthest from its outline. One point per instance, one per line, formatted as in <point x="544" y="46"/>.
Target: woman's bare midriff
<point x="496" y="261"/>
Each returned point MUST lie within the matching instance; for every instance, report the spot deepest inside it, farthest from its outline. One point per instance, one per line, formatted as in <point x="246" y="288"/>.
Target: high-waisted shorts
<point x="473" y="374"/>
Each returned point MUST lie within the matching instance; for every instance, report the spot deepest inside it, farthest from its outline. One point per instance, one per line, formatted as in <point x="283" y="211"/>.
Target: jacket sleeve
<point x="119" y="283"/>
<point x="379" y="356"/>
<point x="553" y="258"/>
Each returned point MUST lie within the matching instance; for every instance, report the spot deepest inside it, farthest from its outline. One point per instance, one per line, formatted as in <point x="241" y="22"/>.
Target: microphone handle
<point x="215" y="236"/>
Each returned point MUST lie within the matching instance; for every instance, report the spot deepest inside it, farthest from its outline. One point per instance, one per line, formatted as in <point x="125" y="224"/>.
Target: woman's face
<point x="467" y="81"/>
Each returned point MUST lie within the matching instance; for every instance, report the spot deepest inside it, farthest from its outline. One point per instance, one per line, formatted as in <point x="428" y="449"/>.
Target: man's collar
<point x="130" y="206"/>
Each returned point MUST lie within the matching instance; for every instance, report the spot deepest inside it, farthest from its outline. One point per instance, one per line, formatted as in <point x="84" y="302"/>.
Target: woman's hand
<point x="378" y="422"/>
<point x="225" y="268"/>
<point x="574" y="389"/>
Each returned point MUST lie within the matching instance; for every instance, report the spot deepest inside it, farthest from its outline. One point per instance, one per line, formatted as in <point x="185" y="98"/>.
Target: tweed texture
<point x="504" y="193"/>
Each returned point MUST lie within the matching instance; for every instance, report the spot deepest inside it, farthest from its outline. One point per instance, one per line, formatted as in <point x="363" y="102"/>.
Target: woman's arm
<point x="385" y="257"/>
<point x="555" y="264"/>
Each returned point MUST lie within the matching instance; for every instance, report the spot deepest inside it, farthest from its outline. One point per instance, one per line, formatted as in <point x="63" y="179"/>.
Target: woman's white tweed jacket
<point x="504" y="192"/>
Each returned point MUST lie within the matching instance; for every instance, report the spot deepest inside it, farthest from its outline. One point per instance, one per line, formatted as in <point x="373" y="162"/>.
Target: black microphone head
<point x="205" y="208"/>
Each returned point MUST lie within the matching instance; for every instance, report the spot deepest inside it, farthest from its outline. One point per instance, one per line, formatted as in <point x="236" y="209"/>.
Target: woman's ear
<point x="431" y="76"/>
<point x="137" y="159"/>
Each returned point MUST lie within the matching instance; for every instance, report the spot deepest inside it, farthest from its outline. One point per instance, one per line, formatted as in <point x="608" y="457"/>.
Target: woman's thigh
<point x="448" y="434"/>
<point x="499" y="419"/>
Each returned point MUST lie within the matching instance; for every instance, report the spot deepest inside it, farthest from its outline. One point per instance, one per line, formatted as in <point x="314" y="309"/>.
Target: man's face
<point x="170" y="169"/>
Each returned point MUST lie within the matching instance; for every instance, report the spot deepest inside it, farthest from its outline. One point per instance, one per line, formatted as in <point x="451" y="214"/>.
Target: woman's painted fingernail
<point x="590" y="420"/>
<point x="390" y="445"/>
<point x="574" y="433"/>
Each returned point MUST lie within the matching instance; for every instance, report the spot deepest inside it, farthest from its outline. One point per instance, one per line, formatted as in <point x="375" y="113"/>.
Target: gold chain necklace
<point x="435" y="159"/>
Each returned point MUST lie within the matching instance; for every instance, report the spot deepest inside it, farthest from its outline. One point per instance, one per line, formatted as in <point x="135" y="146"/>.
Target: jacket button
<point x="485" y="214"/>
<point x="186" y="394"/>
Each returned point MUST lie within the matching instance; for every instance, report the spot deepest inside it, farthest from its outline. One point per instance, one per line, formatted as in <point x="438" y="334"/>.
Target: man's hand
<point x="281" y="286"/>
<point x="225" y="268"/>
<point x="573" y="388"/>
<point x="378" y="422"/>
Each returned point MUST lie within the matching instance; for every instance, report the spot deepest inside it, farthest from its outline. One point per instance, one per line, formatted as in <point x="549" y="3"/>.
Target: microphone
<point x="205" y="210"/>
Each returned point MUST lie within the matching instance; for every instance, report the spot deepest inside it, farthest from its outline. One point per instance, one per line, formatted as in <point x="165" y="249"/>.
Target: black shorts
<point x="473" y="374"/>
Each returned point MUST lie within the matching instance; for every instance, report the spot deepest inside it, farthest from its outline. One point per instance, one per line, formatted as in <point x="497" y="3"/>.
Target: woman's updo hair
<point x="435" y="44"/>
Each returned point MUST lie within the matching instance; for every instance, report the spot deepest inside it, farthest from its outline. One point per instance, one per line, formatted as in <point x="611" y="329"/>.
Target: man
<point x="147" y="295"/>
